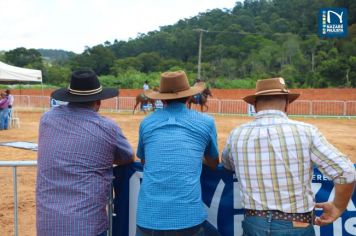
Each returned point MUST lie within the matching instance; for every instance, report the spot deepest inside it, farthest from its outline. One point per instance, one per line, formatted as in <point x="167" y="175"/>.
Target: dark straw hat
<point x="174" y="85"/>
<point x="84" y="87"/>
<point x="270" y="87"/>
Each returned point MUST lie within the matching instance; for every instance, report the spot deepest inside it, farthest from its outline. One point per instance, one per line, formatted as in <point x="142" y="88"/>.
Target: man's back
<point x="273" y="158"/>
<point x="276" y="154"/>
<point x="75" y="155"/>
<point x="173" y="142"/>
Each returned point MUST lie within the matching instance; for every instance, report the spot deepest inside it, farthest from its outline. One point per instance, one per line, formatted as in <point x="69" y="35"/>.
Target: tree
<point x="122" y="65"/>
<point x="334" y="71"/>
<point x="351" y="75"/>
<point x="2" y="56"/>
<point x="58" y="75"/>
<point x="99" y="58"/>
<point x="22" y="57"/>
<point x="149" y="61"/>
<point x="255" y="39"/>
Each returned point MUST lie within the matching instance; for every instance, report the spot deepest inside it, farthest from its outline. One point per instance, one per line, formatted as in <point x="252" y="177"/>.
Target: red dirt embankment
<point x="340" y="94"/>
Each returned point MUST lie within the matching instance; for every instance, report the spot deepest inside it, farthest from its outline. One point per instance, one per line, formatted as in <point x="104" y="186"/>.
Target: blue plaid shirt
<point x="173" y="142"/>
<point x="76" y="149"/>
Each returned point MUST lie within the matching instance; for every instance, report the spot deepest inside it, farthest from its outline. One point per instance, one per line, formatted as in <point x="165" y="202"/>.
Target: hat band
<point x="85" y="93"/>
<point x="271" y="91"/>
<point x="175" y="90"/>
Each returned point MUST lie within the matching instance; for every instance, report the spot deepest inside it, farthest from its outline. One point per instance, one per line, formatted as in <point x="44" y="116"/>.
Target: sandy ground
<point x="340" y="132"/>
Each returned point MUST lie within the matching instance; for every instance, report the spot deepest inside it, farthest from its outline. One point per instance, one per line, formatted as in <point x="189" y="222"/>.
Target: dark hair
<point x="7" y="91"/>
<point x="181" y="100"/>
<point x="83" y="104"/>
<point x="270" y="98"/>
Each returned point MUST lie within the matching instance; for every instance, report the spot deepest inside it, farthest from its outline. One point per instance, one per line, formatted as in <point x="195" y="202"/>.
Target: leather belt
<point x="307" y="217"/>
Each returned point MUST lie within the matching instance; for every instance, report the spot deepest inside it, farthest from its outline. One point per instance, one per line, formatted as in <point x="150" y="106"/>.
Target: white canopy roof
<point x="10" y="73"/>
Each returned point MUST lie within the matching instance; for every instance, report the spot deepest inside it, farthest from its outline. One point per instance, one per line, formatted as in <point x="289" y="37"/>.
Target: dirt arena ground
<point x="340" y="132"/>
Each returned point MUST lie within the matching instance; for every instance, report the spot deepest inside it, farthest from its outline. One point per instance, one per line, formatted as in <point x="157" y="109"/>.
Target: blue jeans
<point x="263" y="226"/>
<point x="7" y="120"/>
<point x="204" y="229"/>
<point x="4" y="118"/>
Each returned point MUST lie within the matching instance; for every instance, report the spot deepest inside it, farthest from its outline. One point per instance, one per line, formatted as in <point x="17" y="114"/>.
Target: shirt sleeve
<point x="2" y="101"/>
<point x="330" y="161"/>
<point x="140" y="147"/>
<point x="212" y="149"/>
<point x="226" y="156"/>
<point x="123" y="148"/>
<point x="11" y="100"/>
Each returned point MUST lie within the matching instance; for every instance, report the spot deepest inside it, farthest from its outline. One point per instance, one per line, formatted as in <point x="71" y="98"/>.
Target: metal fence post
<point x="117" y="104"/>
<point x="110" y="209"/>
<point x="219" y="106"/>
<point x="15" y="201"/>
<point x="28" y="101"/>
<point x="311" y="108"/>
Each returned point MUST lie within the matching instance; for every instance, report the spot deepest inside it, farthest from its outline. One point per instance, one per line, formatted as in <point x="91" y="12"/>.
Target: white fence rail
<point x="14" y="165"/>
<point x="220" y="106"/>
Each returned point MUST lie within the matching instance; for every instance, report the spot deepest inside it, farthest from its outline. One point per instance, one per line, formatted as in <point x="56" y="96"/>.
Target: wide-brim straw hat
<point x="84" y="87"/>
<point x="271" y="87"/>
<point x="174" y="85"/>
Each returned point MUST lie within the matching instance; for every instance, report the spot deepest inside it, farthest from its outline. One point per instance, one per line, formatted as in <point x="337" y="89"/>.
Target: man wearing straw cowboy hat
<point x="76" y="150"/>
<point x="172" y="144"/>
<point x="273" y="158"/>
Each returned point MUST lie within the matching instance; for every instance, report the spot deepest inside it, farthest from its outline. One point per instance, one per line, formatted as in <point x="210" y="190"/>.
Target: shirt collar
<point x="271" y="114"/>
<point x="79" y="107"/>
<point x="176" y="106"/>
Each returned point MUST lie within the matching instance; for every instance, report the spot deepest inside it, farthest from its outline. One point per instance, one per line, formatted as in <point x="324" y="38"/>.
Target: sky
<point x="72" y="25"/>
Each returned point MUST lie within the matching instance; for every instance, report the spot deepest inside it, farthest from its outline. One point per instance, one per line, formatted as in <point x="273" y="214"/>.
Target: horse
<point x="200" y="99"/>
<point x="142" y="100"/>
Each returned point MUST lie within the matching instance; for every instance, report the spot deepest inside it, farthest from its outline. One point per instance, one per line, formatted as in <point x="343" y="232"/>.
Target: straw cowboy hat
<point x="174" y="85"/>
<point x="84" y="87"/>
<point x="270" y="87"/>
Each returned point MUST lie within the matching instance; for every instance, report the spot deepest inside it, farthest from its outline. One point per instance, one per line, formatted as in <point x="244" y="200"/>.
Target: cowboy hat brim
<point x="64" y="95"/>
<point x="251" y="99"/>
<point x="175" y="95"/>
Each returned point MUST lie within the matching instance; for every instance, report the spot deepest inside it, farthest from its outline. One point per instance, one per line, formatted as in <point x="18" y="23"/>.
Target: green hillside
<point x="254" y="40"/>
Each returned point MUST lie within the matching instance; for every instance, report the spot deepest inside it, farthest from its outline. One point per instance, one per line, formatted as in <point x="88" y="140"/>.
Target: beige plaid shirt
<point x="273" y="159"/>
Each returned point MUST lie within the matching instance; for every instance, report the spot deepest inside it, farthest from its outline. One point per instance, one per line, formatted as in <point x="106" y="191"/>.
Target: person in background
<point x="146" y="86"/>
<point x="145" y="100"/>
<point x="4" y="112"/>
<point x="197" y="82"/>
<point x="273" y="158"/>
<point x="172" y="144"/>
<point x="11" y="102"/>
<point x="76" y="150"/>
<point x="197" y="97"/>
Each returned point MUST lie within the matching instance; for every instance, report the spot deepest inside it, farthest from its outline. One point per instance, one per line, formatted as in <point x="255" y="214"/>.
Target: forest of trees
<point x="256" y="39"/>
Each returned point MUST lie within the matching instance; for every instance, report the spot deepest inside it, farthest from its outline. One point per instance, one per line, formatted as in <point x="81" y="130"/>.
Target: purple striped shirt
<point x="4" y="103"/>
<point x="76" y="149"/>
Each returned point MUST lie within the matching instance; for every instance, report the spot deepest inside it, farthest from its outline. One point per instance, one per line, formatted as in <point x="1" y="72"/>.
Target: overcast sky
<point x="73" y="24"/>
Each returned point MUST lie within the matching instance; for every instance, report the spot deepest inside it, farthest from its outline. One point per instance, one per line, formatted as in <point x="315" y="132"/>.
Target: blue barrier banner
<point x="221" y="196"/>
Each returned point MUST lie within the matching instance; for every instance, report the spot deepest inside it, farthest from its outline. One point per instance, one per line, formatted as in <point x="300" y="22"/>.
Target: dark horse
<point x="143" y="100"/>
<point x="200" y="99"/>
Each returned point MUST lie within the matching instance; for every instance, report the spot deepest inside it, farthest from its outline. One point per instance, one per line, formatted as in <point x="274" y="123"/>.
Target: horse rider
<point x="145" y="88"/>
<point x="197" y="97"/>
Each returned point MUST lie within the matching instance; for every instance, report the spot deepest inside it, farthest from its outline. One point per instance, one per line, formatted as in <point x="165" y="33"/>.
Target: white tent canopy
<point x="10" y="73"/>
